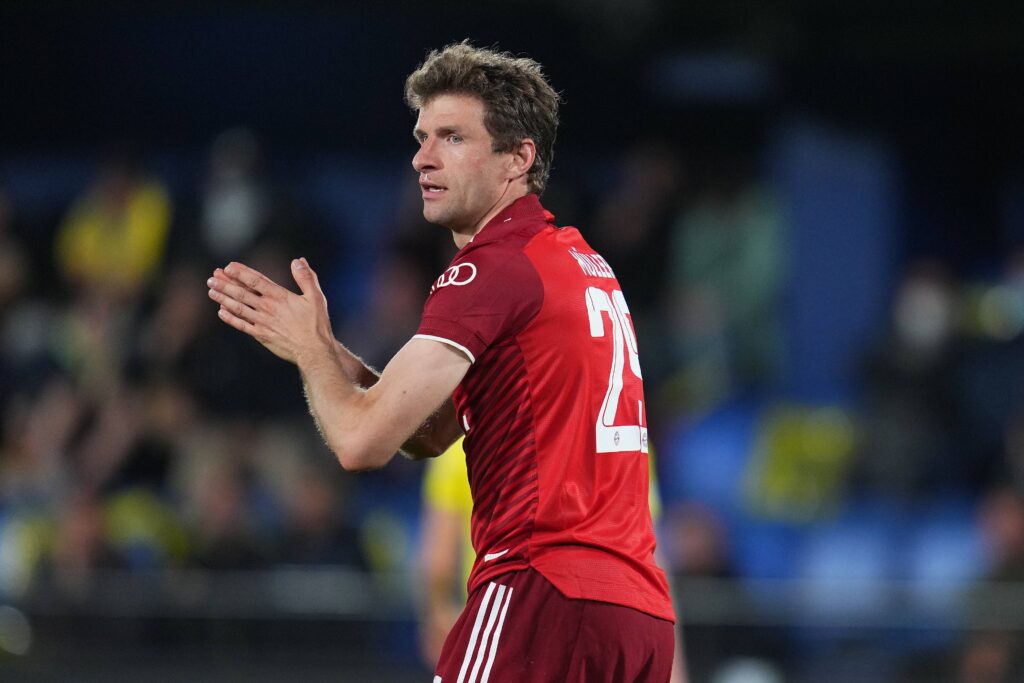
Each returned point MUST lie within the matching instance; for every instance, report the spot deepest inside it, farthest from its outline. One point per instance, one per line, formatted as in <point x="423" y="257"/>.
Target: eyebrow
<point x="441" y="132"/>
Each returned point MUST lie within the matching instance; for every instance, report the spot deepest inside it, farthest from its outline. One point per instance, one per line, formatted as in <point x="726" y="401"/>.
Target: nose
<point x="425" y="159"/>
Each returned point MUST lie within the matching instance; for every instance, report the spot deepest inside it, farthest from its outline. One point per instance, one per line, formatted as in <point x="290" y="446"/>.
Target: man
<point x="526" y="347"/>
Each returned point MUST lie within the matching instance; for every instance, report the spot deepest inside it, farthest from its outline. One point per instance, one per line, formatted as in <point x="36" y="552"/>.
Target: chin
<point x="428" y="216"/>
<point x="435" y="216"/>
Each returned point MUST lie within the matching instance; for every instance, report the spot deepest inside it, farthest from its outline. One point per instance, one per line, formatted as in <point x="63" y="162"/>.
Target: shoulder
<point x="484" y="265"/>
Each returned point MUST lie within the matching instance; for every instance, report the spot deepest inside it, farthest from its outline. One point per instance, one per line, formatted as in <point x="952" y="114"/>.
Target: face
<point x="464" y="183"/>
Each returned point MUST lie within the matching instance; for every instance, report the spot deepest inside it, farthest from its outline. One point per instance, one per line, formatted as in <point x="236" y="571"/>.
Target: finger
<point x="231" y="290"/>
<point x="235" y="307"/>
<point x="219" y="274"/>
<point x="305" y="278"/>
<point x="316" y="278"/>
<point x="240" y="324"/>
<point x="249" y="277"/>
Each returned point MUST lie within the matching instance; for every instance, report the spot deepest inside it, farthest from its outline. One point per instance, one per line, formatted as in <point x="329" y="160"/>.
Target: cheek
<point x="477" y="164"/>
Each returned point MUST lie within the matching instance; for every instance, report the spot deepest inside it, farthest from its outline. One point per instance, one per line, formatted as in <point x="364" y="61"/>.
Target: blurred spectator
<point x="170" y="333"/>
<point x="1002" y="527"/>
<point x="634" y="216"/>
<point x="727" y="272"/>
<point x="224" y="530"/>
<point x="92" y="341"/>
<point x="225" y="376"/>
<point x="151" y="441"/>
<point x="108" y="439"/>
<point x="114" y="237"/>
<point x="178" y="343"/>
<point x="14" y="258"/>
<point x="997" y="655"/>
<point x="80" y="546"/>
<point x="398" y="288"/>
<point x="697" y="542"/>
<point x="909" y="422"/>
<point x="988" y="658"/>
<point x="318" y="529"/>
<point x="696" y="545"/>
<point x="989" y="382"/>
<point x="38" y="426"/>
<point x="235" y="205"/>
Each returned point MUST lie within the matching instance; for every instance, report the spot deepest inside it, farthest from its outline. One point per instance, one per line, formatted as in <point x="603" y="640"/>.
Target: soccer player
<point x="446" y="548"/>
<point x="527" y="347"/>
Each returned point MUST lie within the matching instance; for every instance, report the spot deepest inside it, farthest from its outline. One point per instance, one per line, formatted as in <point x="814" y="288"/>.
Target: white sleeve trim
<point x="449" y="342"/>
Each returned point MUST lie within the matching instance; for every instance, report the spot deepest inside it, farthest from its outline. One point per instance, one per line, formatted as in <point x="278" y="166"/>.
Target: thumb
<point x="304" y="276"/>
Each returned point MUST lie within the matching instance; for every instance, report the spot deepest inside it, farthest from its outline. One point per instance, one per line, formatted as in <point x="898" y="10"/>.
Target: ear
<point x="522" y="158"/>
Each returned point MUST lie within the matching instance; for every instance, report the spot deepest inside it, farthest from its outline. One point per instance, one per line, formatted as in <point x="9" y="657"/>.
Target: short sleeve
<point x="485" y="296"/>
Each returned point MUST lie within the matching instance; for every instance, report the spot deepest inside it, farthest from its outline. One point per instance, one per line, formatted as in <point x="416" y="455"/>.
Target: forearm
<point x="360" y="432"/>
<point x="432" y="438"/>
<point x="337" y="401"/>
<point x="358" y="372"/>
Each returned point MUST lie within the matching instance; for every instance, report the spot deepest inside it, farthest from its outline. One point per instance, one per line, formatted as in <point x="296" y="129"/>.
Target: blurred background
<point x="816" y="211"/>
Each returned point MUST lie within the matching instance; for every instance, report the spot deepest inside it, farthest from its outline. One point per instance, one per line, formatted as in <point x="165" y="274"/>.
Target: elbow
<point x="359" y="457"/>
<point x="350" y="464"/>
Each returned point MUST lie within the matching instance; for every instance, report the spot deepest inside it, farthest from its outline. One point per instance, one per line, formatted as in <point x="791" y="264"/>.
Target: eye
<point x="455" y="139"/>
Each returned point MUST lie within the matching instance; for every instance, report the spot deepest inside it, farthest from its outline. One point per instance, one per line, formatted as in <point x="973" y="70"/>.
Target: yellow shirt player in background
<point x="446" y="550"/>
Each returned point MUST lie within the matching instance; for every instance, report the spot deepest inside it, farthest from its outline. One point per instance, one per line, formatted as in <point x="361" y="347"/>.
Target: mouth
<point x="431" y="189"/>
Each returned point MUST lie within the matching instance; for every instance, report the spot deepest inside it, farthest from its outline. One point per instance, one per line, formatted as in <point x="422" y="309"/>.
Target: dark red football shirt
<point x="553" y="410"/>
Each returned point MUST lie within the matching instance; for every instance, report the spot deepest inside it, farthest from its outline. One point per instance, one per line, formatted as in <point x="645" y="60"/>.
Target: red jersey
<point x="553" y="411"/>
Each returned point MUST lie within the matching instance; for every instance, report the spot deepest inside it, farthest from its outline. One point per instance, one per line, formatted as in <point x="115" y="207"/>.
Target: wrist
<point x="316" y="357"/>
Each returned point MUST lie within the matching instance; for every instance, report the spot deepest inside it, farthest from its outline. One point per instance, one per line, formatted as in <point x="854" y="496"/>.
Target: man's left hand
<point x="292" y="326"/>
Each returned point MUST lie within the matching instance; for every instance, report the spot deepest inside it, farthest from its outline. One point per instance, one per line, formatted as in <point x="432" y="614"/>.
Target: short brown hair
<point x="519" y="103"/>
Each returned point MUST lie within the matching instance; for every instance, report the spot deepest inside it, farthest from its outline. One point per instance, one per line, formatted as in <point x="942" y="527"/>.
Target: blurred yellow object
<point x="798" y="470"/>
<point x="24" y="541"/>
<point x="117" y="244"/>
<point x="446" y="489"/>
<point x="138" y="523"/>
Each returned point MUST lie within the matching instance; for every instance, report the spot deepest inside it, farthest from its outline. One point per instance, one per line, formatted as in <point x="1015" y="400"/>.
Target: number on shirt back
<point x="612" y="437"/>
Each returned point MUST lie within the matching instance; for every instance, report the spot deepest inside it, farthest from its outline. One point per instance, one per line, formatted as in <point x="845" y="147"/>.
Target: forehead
<point x="449" y="110"/>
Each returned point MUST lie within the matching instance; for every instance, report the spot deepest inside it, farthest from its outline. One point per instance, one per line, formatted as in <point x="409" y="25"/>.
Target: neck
<point x="511" y="193"/>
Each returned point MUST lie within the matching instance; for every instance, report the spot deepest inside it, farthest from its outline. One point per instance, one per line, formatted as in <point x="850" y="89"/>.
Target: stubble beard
<point x="439" y="215"/>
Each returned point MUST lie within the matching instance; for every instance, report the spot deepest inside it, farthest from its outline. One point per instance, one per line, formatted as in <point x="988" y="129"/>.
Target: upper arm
<point x="486" y="295"/>
<point x="413" y="387"/>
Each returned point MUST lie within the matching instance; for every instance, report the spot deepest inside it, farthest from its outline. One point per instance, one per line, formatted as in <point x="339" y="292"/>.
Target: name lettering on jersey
<point x="458" y="275"/>
<point x="593" y="265"/>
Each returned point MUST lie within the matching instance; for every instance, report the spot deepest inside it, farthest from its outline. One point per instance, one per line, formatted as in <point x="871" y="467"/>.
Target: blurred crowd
<point x="137" y="432"/>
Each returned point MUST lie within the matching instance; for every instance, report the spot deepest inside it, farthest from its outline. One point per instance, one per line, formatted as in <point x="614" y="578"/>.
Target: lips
<point x="432" y="191"/>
